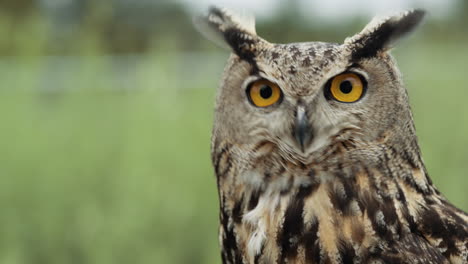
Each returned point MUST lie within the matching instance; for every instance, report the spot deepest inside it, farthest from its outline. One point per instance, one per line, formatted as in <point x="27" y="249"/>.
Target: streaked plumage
<point x="311" y="179"/>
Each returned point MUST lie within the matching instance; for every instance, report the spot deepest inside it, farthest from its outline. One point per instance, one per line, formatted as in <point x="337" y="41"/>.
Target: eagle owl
<point x="316" y="156"/>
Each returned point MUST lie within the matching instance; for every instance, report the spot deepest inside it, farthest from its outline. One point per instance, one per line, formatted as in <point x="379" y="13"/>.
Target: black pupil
<point x="346" y="87"/>
<point x="266" y="91"/>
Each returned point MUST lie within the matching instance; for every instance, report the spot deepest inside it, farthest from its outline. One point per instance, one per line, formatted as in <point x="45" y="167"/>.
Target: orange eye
<point x="263" y="93"/>
<point x="347" y="88"/>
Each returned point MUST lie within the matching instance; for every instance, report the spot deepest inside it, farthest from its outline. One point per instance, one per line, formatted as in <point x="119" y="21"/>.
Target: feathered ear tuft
<point x="381" y="34"/>
<point x="226" y="28"/>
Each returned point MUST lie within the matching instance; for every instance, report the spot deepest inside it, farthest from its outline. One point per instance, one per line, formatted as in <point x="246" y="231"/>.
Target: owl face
<point x="301" y="97"/>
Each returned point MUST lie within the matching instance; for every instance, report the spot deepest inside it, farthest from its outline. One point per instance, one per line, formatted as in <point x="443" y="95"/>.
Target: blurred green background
<point x="106" y="110"/>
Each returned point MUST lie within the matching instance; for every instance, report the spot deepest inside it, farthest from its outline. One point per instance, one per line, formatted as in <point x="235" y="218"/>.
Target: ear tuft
<point x="381" y="34"/>
<point x="226" y="19"/>
<point x="225" y="27"/>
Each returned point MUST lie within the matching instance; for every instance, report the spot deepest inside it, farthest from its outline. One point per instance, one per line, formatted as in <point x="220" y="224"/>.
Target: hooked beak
<point x="302" y="129"/>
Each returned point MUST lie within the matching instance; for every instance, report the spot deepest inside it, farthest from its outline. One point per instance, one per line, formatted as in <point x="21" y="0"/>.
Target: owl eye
<point x="263" y="93"/>
<point x="346" y="88"/>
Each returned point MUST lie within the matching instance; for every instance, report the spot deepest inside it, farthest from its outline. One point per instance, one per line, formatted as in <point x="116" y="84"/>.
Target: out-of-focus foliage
<point x="106" y="113"/>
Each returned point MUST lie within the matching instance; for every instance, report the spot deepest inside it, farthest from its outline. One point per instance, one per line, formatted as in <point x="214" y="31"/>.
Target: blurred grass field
<point x="96" y="173"/>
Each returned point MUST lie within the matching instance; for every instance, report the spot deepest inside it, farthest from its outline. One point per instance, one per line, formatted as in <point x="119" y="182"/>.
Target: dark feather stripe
<point x="293" y="225"/>
<point x="312" y="244"/>
<point x="238" y="210"/>
<point x="341" y="199"/>
<point x="230" y="252"/>
<point x="242" y="43"/>
<point x="253" y="201"/>
<point x="435" y="226"/>
<point x="223" y="155"/>
<point x="347" y="252"/>
<point x="218" y="156"/>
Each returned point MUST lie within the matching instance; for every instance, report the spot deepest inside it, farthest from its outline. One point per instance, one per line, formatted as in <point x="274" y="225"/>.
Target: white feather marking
<point x="258" y="219"/>
<point x="255" y="218"/>
<point x="252" y="178"/>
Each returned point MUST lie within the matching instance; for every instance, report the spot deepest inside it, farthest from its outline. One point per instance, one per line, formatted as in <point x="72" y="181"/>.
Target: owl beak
<point x="302" y="129"/>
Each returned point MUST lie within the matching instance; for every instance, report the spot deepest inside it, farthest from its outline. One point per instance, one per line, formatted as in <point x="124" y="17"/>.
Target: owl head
<point x="303" y="97"/>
